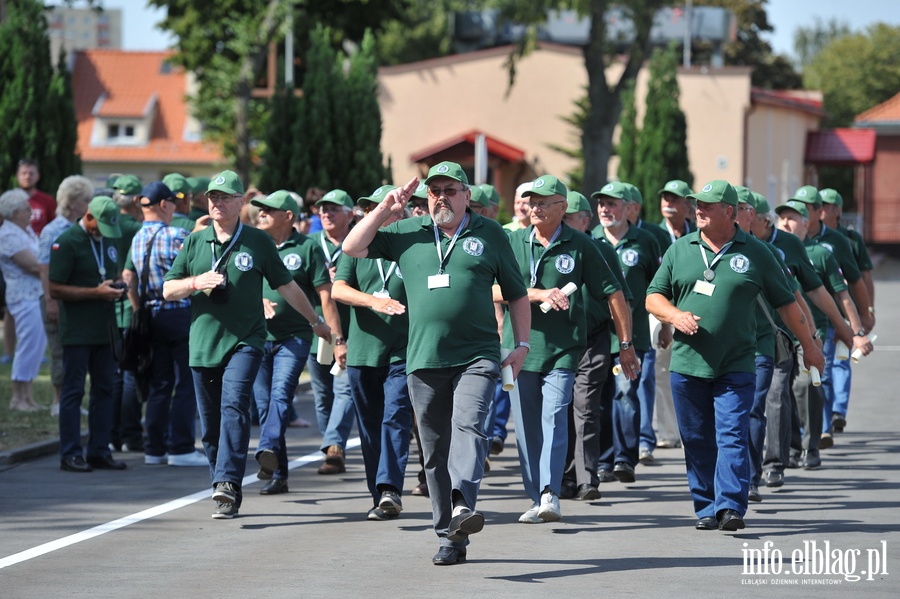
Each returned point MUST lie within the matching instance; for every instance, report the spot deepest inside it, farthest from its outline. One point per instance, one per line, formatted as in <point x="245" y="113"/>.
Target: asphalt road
<point x="147" y="531"/>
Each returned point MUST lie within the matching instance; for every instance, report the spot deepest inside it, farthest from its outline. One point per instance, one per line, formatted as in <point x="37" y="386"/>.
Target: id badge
<point x="438" y="281"/>
<point x="704" y="287"/>
<point x="382" y="294"/>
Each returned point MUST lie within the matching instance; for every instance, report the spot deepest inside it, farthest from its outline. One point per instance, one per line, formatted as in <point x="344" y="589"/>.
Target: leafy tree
<point x="809" y="41"/>
<point x="277" y="156"/>
<point x="35" y="101"/>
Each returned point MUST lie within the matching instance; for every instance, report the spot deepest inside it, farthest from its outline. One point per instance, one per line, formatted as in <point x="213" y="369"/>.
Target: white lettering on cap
<point x="219" y="180"/>
<point x="707" y="188"/>
<point x="538" y="184"/>
<point x="443" y="168"/>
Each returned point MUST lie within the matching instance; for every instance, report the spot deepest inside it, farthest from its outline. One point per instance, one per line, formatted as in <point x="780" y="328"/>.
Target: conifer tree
<point x="628" y="136"/>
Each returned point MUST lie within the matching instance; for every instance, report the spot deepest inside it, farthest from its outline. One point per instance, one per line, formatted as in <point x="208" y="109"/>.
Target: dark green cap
<point x="491" y="193"/>
<point x="547" y="185"/>
<point x="677" y="187"/>
<point x="336" y="196"/>
<point x="807" y="194"/>
<point x="479" y="197"/>
<point x="198" y="184"/>
<point x="796" y="206"/>
<point x="577" y="203"/>
<point x="614" y="189"/>
<point x="421" y="191"/>
<point x="226" y="182"/>
<point x="447" y="169"/>
<point x="178" y="184"/>
<point x="106" y="211"/>
<point x="377" y="196"/>
<point x="128" y="185"/>
<point x="714" y="192"/>
<point x="279" y="200"/>
<point x="744" y="195"/>
<point x="635" y="195"/>
<point x="831" y="196"/>
<point x="760" y="203"/>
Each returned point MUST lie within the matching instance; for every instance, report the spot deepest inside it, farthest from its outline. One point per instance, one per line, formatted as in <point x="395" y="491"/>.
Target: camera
<point x="219" y="293"/>
<point x="120" y="285"/>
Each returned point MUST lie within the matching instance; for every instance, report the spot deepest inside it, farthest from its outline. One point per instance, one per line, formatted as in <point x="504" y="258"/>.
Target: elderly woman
<point x="18" y="260"/>
<point x="72" y="200"/>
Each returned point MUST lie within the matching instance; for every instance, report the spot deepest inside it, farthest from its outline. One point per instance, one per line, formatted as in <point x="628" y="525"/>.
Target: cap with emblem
<point x="479" y="197"/>
<point x="577" y="203"/>
<point x="377" y="196"/>
<point x="337" y="196"/>
<point x="226" y="182"/>
<point x="491" y="193"/>
<point x="198" y="184"/>
<point x="154" y="193"/>
<point x="807" y="194"/>
<point x="128" y="185"/>
<point x="676" y="187"/>
<point x="744" y="195"/>
<point x="614" y="189"/>
<point x="547" y="185"/>
<point x="278" y="200"/>
<point x="447" y="169"/>
<point x="760" y="203"/>
<point x="421" y="192"/>
<point x="714" y="192"/>
<point x="635" y="196"/>
<point x="178" y="184"/>
<point x="106" y="212"/>
<point x="831" y="196"/>
<point x="796" y="206"/>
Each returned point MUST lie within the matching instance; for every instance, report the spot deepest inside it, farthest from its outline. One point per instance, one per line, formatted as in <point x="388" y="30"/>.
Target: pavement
<point x="827" y="532"/>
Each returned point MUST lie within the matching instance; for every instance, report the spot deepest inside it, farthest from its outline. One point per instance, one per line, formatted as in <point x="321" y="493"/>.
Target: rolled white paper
<point x="814" y="375"/>
<point x="506" y="373"/>
<point x="568" y="289"/>
<point x="337" y="371"/>
<point x="841" y="351"/>
<point x="655" y="328"/>
<point x="325" y="355"/>
<point x="617" y="370"/>
<point x="857" y="353"/>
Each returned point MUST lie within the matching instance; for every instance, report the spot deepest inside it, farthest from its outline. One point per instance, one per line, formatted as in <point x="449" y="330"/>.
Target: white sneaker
<point x="549" y="510"/>
<point x="531" y="516"/>
<point x="156" y="460"/>
<point x="195" y="458"/>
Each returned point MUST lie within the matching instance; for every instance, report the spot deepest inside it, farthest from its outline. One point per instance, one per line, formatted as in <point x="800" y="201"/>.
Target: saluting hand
<point x="396" y="199"/>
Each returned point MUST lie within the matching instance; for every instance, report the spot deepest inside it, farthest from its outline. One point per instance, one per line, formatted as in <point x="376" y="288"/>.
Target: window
<point x="112" y="131"/>
<point x="120" y="133"/>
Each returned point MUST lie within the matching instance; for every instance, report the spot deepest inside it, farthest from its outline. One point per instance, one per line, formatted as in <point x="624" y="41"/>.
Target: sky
<point x="784" y="15"/>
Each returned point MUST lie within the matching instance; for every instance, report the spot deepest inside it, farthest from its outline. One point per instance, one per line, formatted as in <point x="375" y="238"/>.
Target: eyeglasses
<point x="544" y="205"/>
<point x="745" y="208"/>
<point x="449" y="192"/>
<point x="218" y="198"/>
<point x="419" y="204"/>
<point x="331" y="208"/>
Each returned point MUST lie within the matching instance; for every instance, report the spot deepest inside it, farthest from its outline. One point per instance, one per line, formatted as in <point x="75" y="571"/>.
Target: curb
<point x="40" y="449"/>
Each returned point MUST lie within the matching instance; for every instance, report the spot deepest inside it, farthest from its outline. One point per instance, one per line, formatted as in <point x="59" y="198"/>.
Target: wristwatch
<point x="623" y="345"/>
<point x="524" y="344"/>
<point x="860" y="333"/>
<point x="339" y="341"/>
<point x="317" y="322"/>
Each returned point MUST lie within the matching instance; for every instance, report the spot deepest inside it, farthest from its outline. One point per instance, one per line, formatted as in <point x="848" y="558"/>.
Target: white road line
<point x="146" y="514"/>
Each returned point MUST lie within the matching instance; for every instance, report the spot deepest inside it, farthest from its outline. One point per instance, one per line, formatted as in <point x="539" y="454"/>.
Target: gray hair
<point x="72" y="189"/>
<point x="13" y="200"/>
<point x="122" y="200"/>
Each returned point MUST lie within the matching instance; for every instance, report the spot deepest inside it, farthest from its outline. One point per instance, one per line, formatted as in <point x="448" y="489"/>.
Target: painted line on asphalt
<point x="152" y="512"/>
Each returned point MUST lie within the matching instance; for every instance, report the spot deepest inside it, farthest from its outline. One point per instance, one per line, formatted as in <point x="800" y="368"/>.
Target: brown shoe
<point x="421" y="490"/>
<point x="334" y="461"/>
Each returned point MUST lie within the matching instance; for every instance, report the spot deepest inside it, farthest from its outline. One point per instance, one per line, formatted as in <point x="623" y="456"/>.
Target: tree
<point x="576" y="120"/>
<point x="35" y="101"/>
<point x="629" y="137"/>
<point x="809" y="41"/>
<point x="363" y="133"/>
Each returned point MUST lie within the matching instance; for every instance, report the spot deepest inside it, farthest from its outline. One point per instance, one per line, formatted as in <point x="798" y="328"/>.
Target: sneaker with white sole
<point x="390" y="502"/>
<point x="531" y="516"/>
<point x="225" y="511"/>
<point x="194" y="458"/>
<point x="225" y="493"/>
<point x="156" y="460"/>
<point x="549" y="510"/>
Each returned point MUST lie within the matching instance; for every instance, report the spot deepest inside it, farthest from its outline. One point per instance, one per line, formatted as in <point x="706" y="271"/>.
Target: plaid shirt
<point x="166" y="246"/>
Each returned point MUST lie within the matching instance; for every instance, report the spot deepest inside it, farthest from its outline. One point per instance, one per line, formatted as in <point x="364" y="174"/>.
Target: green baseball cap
<point x="447" y="169"/>
<point x="761" y="204"/>
<point x="376" y="196"/>
<point x="546" y="185"/>
<point x="226" y="182"/>
<point x="106" y="211"/>
<point x="577" y="203"/>
<point x="421" y="191"/>
<point x="279" y="200"/>
<point x="493" y="196"/>
<point x="337" y="196"/>
<point x="676" y="187"/>
<point x="795" y="205"/>
<point x="831" y="196"/>
<point x="178" y="184"/>
<point x="198" y="184"/>
<point x="744" y="195"/>
<point x="714" y="192"/>
<point x="614" y="189"/>
<point x="479" y="197"/>
<point x="807" y="194"/>
<point x="635" y="197"/>
<point x="128" y="185"/>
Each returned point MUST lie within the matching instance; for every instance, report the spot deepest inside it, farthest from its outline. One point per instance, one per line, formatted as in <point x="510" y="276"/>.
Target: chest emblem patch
<point x="292" y="261"/>
<point x="243" y="261"/>
<point x="473" y="246"/>
<point x="565" y="264"/>
<point x="739" y="263"/>
<point x="630" y="257"/>
<point x="112" y="253"/>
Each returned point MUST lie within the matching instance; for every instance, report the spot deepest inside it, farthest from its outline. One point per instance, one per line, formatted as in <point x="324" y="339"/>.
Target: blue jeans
<point x="542" y="428"/>
<point x="499" y="413"/>
<point x="765" y="368"/>
<point x="626" y="419"/>
<point x="714" y="417"/>
<point x="224" y="394"/>
<point x="334" y="406"/>
<point x="274" y="388"/>
<point x="384" y="413"/>
<point x="170" y="416"/>
<point x="647" y="397"/>
<point x="835" y="382"/>
<point x="78" y="362"/>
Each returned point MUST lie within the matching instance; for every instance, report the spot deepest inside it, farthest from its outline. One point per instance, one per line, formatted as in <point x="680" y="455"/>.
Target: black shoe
<point x="826" y="441"/>
<point x="838" y="423"/>
<point x="390" y="502"/>
<point x="568" y="489"/>
<point x="447" y="556"/>
<point x="811" y="459"/>
<point x="587" y="492"/>
<point x="275" y="486"/>
<point x="624" y="472"/>
<point x="707" y="523"/>
<point x="463" y="525"/>
<point x="74" y="463"/>
<point x="794" y="459"/>
<point x="754" y="495"/>
<point x="774" y="478"/>
<point x="496" y="446"/>
<point x="106" y="462"/>
<point x="605" y="476"/>
<point x="268" y="464"/>
<point x="730" y="521"/>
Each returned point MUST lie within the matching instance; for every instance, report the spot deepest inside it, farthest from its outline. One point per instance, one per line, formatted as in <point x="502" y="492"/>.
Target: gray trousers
<point x="778" y="418"/>
<point x="452" y="407"/>
<point x="583" y="455"/>
<point x="810" y="402"/>
<point x="666" y="422"/>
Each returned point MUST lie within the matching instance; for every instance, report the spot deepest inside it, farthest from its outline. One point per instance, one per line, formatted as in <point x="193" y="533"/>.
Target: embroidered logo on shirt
<point x="473" y="246"/>
<point x="292" y="261"/>
<point x="243" y="261"/>
<point x="565" y="264"/>
<point x="630" y="257"/>
<point x="739" y="263"/>
<point x="112" y="253"/>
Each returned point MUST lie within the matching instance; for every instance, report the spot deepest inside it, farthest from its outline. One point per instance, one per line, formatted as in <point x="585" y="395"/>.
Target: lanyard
<point x="98" y="258"/>
<point x="437" y="243"/>
<point x="212" y="246"/>
<point x="384" y="279"/>
<point x="708" y="274"/>
<point x="329" y="258"/>
<point x="532" y="265"/>
<point x="687" y="229"/>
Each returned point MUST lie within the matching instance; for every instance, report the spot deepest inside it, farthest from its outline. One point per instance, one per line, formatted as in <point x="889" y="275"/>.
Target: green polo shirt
<point x="333" y="256"/>
<point x="378" y="339"/>
<point x="73" y="261"/>
<point x="306" y="263"/>
<point x="559" y="337"/>
<point x="639" y="256"/>
<point x="796" y="258"/>
<point x="858" y="245"/>
<point x="826" y="266"/>
<point x="455" y="325"/>
<point x="838" y="245"/>
<point x="660" y="234"/>
<point x="726" y="339"/>
<point x="765" y="335"/>
<point x="597" y="313"/>
<point x="218" y="328"/>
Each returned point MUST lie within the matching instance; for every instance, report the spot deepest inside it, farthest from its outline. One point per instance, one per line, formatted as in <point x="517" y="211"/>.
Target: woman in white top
<point x="19" y="263"/>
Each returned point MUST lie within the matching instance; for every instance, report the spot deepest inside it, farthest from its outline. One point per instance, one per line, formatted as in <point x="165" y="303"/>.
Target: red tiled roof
<point x="803" y="100"/>
<point x="888" y="111"/>
<point x="495" y="147"/>
<point x="840" y="147"/>
<point x="127" y="82"/>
